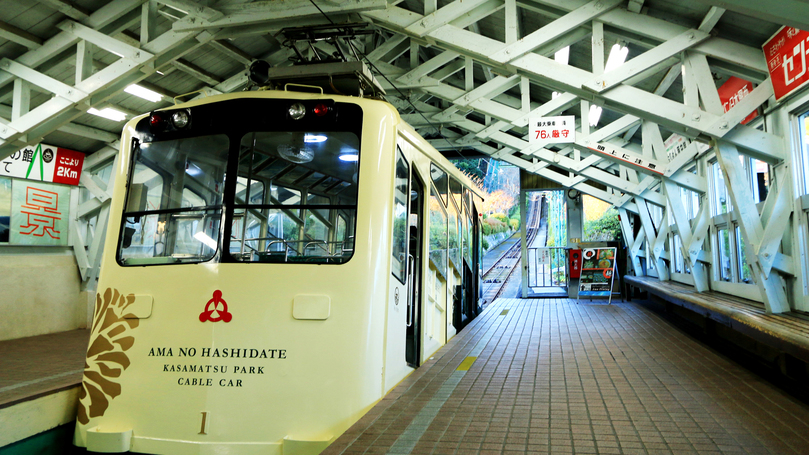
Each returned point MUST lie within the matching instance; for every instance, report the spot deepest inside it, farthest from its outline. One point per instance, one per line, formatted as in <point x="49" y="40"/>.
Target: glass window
<point x="400" y="195"/>
<point x="723" y="244"/>
<point x="174" y="201"/>
<point x="438" y="233"/>
<point x="761" y="180"/>
<point x="454" y="237"/>
<point x="5" y="208"/>
<point x="303" y="197"/>
<point x="440" y="180"/>
<point x="744" y="268"/>
<point x="678" y="254"/>
<point x="803" y="122"/>
<point x="721" y="199"/>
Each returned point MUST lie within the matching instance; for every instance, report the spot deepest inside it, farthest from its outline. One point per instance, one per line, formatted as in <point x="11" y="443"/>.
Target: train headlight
<point x="179" y="119"/>
<point x="297" y="111"/>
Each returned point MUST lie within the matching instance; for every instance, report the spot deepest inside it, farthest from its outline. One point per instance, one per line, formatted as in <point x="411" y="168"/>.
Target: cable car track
<point x="496" y="276"/>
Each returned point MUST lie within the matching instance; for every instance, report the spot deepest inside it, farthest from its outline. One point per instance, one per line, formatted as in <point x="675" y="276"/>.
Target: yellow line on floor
<point x="466" y="364"/>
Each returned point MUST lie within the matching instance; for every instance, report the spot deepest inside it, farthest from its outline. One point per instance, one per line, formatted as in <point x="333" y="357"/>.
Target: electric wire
<point x="403" y="96"/>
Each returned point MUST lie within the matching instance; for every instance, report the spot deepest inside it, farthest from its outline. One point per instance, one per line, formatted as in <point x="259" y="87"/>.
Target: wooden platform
<point x="788" y="332"/>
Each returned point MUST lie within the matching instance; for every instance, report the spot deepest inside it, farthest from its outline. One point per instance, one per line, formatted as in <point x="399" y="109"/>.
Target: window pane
<point x="5" y="208"/>
<point x="744" y="268"/>
<point x="438" y="234"/>
<point x="440" y="180"/>
<point x="761" y="180"/>
<point x="804" y="126"/>
<point x="173" y="205"/>
<point x="678" y="254"/>
<point x="400" y="193"/>
<point x="723" y="240"/>
<point x="722" y="202"/>
<point x="302" y="197"/>
<point x="454" y="237"/>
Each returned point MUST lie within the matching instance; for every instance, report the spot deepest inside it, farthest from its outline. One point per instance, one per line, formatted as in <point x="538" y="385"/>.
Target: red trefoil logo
<point x="216" y="309"/>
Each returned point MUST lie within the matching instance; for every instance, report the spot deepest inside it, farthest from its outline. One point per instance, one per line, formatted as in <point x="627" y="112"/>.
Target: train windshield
<point x="294" y="199"/>
<point x="174" y="201"/>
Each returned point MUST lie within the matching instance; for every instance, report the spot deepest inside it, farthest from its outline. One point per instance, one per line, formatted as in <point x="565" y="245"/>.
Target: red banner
<point x="786" y="60"/>
<point x="733" y="91"/>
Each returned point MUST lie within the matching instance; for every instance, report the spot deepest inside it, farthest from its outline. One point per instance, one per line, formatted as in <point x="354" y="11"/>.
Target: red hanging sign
<point x="786" y="54"/>
<point x="733" y="91"/>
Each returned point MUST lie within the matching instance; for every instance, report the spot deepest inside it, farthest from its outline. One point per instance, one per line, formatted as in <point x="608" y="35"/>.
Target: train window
<point x="400" y="197"/>
<point x="440" y="180"/>
<point x="454" y="250"/>
<point x="438" y="233"/>
<point x="305" y="203"/>
<point x="171" y="216"/>
<point x="723" y="248"/>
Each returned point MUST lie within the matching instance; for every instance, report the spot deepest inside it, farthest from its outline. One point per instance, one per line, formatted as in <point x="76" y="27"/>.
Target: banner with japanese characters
<point x="596" y="272"/>
<point x="785" y="53"/>
<point x="39" y="213"/>
<point x="560" y="129"/>
<point x="733" y="91"/>
<point x="44" y="163"/>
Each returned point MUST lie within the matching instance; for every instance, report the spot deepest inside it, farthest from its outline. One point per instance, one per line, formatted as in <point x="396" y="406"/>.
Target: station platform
<point x="39" y="383"/>
<point x="554" y="376"/>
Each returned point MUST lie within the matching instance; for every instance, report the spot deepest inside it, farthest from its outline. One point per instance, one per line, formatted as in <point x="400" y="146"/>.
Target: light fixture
<point x="594" y="115"/>
<point x="179" y="119"/>
<point x="314" y="138"/>
<point x="144" y="93"/>
<point x="296" y="154"/>
<point x="108" y="113"/>
<point x="349" y="157"/>
<point x="562" y="55"/>
<point x="297" y="111"/>
<point x="617" y="57"/>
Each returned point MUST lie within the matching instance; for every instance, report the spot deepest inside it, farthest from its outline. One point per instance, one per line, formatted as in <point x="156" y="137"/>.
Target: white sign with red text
<point x="552" y="129"/>
<point x="44" y="163"/>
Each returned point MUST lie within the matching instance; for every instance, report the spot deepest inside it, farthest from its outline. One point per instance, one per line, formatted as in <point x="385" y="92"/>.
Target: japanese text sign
<point x="626" y="156"/>
<point x="39" y="213"/>
<point x="44" y="163"/>
<point x="552" y="129"/>
<point x="786" y="53"/>
<point x="733" y="91"/>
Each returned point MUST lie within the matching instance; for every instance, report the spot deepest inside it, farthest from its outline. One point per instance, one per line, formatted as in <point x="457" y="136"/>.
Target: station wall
<point x="39" y="292"/>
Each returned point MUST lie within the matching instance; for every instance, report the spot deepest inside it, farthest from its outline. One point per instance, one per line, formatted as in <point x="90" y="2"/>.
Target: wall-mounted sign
<point x="733" y="91"/>
<point x="785" y="53"/>
<point x="634" y="159"/>
<point x="552" y="129"/>
<point x="44" y="163"/>
<point x="39" y="213"/>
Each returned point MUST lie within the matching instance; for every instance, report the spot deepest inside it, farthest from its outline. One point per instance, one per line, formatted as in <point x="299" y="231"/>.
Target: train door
<point x="414" y="270"/>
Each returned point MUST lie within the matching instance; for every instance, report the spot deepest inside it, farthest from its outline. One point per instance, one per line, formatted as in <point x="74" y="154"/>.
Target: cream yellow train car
<point x="275" y="263"/>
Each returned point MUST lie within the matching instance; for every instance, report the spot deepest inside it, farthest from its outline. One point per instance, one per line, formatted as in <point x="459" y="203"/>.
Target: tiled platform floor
<point x="551" y="376"/>
<point x="34" y="366"/>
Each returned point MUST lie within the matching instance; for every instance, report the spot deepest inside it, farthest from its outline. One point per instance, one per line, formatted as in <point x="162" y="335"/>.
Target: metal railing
<point x="547" y="267"/>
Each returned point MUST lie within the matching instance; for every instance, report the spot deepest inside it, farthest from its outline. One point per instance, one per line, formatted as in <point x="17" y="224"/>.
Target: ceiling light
<point x="108" y="113"/>
<point x="145" y="93"/>
<point x="595" y="114"/>
<point x="617" y="57"/>
<point x="562" y="55"/>
<point x="314" y="138"/>
<point x="349" y="157"/>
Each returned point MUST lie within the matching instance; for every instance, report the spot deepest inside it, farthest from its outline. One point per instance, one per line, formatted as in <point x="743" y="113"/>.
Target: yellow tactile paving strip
<point x="551" y="376"/>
